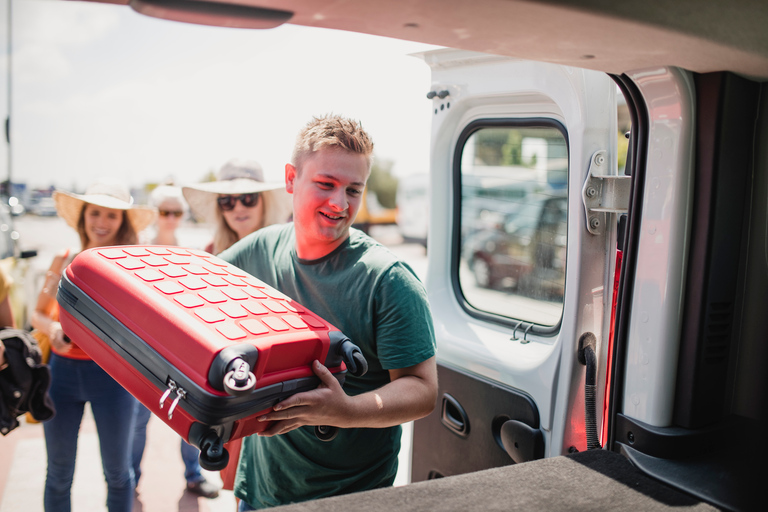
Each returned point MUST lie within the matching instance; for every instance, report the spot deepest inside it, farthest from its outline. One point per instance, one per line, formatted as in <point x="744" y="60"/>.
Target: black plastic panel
<point x="726" y="110"/>
<point x="439" y="449"/>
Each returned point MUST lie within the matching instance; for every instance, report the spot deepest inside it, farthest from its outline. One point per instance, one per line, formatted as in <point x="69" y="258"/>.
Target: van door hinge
<point x="603" y="193"/>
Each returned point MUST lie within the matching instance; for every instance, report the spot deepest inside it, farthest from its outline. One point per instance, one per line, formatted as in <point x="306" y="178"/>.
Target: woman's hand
<point x="56" y="336"/>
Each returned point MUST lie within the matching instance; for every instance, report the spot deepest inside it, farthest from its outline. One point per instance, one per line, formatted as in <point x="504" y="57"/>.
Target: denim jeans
<point x="189" y="454"/>
<point x="74" y="383"/>
<point x="242" y="506"/>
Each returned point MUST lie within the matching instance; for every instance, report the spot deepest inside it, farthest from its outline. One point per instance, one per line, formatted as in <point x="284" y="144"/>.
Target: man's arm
<point x="411" y="394"/>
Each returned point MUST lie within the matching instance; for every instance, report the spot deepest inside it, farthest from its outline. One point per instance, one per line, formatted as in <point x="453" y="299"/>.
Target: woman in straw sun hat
<point x="104" y="215"/>
<point x="239" y="202"/>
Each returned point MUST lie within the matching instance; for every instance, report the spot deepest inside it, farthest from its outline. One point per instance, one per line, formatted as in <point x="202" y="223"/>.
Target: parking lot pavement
<point x="162" y="487"/>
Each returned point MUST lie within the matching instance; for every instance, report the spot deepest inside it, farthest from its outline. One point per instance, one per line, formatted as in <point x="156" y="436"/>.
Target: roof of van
<point x="605" y="35"/>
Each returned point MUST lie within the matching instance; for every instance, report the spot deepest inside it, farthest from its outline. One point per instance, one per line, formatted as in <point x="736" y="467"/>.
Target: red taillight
<point x="616" y="277"/>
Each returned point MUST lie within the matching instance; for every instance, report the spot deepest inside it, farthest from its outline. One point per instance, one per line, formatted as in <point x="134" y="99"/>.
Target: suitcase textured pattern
<point x="205" y="346"/>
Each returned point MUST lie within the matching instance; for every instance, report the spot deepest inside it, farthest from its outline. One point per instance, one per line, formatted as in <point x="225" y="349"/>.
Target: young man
<point x="363" y="289"/>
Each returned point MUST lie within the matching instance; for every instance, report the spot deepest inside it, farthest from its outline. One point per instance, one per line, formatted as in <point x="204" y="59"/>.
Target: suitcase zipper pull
<point x="171" y="389"/>
<point x="180" y="393"/>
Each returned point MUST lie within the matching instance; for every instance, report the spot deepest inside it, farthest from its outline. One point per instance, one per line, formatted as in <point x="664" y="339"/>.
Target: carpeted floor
<point x="593" y="480"/>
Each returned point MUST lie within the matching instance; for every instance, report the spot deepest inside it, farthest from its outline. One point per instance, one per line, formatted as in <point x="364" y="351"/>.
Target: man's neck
<point x="316" y="251"/>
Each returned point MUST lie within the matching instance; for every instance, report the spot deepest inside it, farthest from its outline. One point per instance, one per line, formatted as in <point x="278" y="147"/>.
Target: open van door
<point x="525" y="197"/>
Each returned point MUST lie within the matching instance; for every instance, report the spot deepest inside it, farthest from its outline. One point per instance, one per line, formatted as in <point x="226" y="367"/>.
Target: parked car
<point x="44" y="207"/>
<point x="372" y="213"/>
<point x="525" y="251"/>
<point x="648" y="389"/>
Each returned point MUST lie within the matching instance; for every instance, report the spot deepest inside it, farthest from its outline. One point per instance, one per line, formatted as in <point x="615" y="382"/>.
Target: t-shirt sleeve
<point x="405" y="334"/>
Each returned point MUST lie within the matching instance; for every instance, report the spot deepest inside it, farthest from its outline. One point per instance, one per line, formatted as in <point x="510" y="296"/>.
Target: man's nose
<point x="338" y="200"/>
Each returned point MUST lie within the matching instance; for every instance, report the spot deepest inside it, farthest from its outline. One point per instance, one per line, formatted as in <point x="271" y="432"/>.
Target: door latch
<point x="603" y="193"/>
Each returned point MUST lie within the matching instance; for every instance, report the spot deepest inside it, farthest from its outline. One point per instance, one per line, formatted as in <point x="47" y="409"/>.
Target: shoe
<point x="203" y="488"/>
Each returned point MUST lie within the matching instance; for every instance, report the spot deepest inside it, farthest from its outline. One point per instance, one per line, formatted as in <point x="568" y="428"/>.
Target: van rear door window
<point x="513" y="222"/>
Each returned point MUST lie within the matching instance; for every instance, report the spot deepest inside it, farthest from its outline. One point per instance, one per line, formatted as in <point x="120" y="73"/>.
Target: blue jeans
<point x="242" y="506"/>
<point x="73" y="384"/>
<point x="189" y="454"/>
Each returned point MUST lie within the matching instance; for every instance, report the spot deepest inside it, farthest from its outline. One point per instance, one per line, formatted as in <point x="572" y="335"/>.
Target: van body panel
<point x="659" y="279"/>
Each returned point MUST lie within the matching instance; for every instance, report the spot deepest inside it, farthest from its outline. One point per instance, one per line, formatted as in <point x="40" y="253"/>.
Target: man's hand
<point x="326" y="405"/>
<point x="410" y="394"/>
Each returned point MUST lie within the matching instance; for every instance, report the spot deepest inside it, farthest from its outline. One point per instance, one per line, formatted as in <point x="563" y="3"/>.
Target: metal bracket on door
<point x="603" y="193"/>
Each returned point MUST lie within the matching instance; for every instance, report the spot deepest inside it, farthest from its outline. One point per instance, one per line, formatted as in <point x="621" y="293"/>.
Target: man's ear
<point x="290" y="176"/>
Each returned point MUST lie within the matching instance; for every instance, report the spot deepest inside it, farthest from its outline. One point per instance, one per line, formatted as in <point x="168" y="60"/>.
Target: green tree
<point x="383" y="183"/>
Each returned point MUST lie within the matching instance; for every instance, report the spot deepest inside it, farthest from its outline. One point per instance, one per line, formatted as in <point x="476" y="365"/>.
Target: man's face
<point x="327" y="193"/>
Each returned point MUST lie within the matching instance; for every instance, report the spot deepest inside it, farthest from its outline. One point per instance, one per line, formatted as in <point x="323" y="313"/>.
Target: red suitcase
<point x="205" y="346"/>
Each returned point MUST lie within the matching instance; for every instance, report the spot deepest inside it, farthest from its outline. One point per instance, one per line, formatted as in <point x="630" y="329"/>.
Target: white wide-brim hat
<point x="239" y="177"/>
<point x="109" y="195"/>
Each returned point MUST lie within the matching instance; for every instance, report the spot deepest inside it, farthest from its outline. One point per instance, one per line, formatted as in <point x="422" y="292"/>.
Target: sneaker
<point x="203" y="488"/>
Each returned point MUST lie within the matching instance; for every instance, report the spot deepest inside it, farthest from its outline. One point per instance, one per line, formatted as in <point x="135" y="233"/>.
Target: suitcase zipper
<point x="180" y="394"/>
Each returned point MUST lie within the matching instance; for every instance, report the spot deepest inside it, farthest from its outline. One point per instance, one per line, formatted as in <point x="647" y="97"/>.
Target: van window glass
<point x="514" y="222"/>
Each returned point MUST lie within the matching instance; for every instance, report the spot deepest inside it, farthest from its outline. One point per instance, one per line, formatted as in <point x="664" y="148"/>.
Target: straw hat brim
<point x="201" y="198"/>
<point x="69" y="206"/>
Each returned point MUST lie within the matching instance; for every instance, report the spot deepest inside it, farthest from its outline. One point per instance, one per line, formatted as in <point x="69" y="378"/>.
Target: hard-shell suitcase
<point x="205" y="346"/>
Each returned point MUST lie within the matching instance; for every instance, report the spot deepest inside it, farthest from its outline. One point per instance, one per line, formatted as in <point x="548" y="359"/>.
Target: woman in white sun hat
<point x="104" y="215"/>
<point x="171" y="209"/>
<point x="239" y="202"/>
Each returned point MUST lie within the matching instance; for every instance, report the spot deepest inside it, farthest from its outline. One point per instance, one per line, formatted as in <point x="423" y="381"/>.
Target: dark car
<point x="526" y="250"/>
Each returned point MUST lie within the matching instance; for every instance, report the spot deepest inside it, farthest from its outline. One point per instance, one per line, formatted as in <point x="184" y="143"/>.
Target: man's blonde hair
<point x="332" y="131"/>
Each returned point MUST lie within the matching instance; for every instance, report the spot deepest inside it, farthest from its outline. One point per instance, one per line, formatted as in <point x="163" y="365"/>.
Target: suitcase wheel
<point x="326" y="433"/>
<point x="213" y="455"/>
<point x="239" y="380"/>
<point x="353" y="357"/>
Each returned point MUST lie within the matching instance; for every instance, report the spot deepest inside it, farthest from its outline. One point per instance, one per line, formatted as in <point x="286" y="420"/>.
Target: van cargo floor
<point x="593" y="480"/>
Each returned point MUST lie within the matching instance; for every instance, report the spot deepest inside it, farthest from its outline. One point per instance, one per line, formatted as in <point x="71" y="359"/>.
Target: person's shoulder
<point x="60" y="260"/>
<point x="268" y="237"/>
<point x="277" y="230"/>
<point x="370" y="250"/>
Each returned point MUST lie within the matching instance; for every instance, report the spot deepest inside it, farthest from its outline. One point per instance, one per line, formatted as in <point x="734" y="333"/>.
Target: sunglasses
<point x="166" y="213"/>
<point x="227" y="203"/>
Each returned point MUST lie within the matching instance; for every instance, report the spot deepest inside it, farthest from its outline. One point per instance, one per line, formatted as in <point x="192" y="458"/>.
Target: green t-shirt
<point x="378" y="302"/>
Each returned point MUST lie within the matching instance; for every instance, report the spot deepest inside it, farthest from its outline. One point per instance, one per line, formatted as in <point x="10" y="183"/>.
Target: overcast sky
<point x="101" y="90"/>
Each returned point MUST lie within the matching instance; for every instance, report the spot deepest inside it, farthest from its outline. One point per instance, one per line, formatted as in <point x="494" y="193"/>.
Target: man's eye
<point x="325" y="184"/>
<point x="354" y="191"/>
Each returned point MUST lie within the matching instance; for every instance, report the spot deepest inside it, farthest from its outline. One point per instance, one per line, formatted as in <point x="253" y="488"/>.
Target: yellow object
<point x="371" y="213"/>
